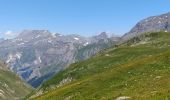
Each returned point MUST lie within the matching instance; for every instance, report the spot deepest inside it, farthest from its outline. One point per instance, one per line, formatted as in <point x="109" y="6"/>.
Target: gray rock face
<point x="151" y="24"/>
<point x="1" y="39"/>
<point x="37" y="54"/>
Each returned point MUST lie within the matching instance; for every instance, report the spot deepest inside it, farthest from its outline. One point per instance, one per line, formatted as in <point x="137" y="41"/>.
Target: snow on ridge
<point x="86" y="43"/>
<point x="18" y="55"/>
<point x="49" y="41"/>
<point x="76" y="38"/>
<point x="12" y="57"/>
<point x="9" y="58"/>
<point x="18" y="39"/>
<point x="159" y="22"/>
<point x="21" y="43"/>
<point x="37" y="36"/>
<point x="53" y="35"/>
<point x="39" y="58"/>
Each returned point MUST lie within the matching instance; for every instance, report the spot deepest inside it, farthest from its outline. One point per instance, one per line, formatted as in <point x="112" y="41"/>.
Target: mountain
<point x="11" y="86"/>
<point x="1" y="39"/>
<point x="138" y="69"/>
<point x="151" y="24"/>
<point x="36" y="55"/>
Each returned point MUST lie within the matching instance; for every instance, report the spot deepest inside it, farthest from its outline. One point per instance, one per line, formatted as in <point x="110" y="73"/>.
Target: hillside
<point x="138" y="69"/>
<point x="11" y="87"/>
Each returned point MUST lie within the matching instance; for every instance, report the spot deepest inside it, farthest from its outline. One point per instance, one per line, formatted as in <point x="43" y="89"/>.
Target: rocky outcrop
<point x="151" y="24"/>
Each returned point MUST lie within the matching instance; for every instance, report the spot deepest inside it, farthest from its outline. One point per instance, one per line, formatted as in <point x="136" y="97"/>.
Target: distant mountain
<point x="1" y="39"/>
<point x="151" y="24"/>
<point x="11" y="87"/>
<point x="36" y="55"/>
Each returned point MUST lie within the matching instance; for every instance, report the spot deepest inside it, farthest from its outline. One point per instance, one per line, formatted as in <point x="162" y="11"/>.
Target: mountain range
<point x="36" y="55"/>
<point x="68" y="67"/>
<point x="135" y="68"/>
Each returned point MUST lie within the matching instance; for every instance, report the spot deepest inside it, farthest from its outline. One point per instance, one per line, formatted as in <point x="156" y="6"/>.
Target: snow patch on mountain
<point x="37" y="36"/>
<point x="76" y="38"/>
<point x="39" y="59"/>
<point x="10" y="57"/>
<point x="18" y="55"/>
<point x="86" y="44"/>
<point x="21" y="44"/>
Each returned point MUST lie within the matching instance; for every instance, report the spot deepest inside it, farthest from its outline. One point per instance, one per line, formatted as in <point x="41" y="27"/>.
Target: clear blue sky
<point x="84" y="17"/>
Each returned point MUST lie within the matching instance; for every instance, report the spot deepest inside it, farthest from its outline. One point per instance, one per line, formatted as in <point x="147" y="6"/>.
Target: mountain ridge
<point x="36" y="55"/>
<point x="151" y="24"/>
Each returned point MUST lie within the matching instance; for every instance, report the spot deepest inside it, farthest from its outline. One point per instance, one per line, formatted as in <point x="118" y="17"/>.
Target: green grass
<point x="138" y="68"/>
<point x="11" y="86"/>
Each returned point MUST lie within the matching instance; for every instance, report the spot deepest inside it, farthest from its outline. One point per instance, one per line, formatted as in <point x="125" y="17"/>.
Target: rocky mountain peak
<point x="103" y="35"/>
<point x="58" y="34"/>
<point x="150" y="24"/>
<point x="32" y="34"/>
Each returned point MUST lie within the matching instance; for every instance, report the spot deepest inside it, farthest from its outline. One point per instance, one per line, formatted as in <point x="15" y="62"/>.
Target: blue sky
<point x="84" y="17"/>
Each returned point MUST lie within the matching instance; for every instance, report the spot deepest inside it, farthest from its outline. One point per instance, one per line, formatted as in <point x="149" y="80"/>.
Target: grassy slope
<point x="139" y="68"/>
<point x="11" y="87"/>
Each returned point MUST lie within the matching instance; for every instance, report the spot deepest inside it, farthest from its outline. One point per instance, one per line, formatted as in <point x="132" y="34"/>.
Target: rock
<point x="151" y="24"/>
<point x="123" y="98"/>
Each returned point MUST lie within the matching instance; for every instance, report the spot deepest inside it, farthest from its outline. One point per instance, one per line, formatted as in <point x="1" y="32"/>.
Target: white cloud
<point x="9" y="34"/>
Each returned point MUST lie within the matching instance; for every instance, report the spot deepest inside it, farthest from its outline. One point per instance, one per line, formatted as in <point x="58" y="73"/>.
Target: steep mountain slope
<point x="36" y="55"/>
<point x="11" y="87"/>
<point x="138" y="69"/>
<point x="151" y="24"/>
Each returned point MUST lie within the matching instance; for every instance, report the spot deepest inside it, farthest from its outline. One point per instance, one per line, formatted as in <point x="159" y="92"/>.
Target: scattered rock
<point x="158" y="77"/>
<point x="123" y="98"/>
<point x="65" y="81"/>
<point x="107" y="55"/>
